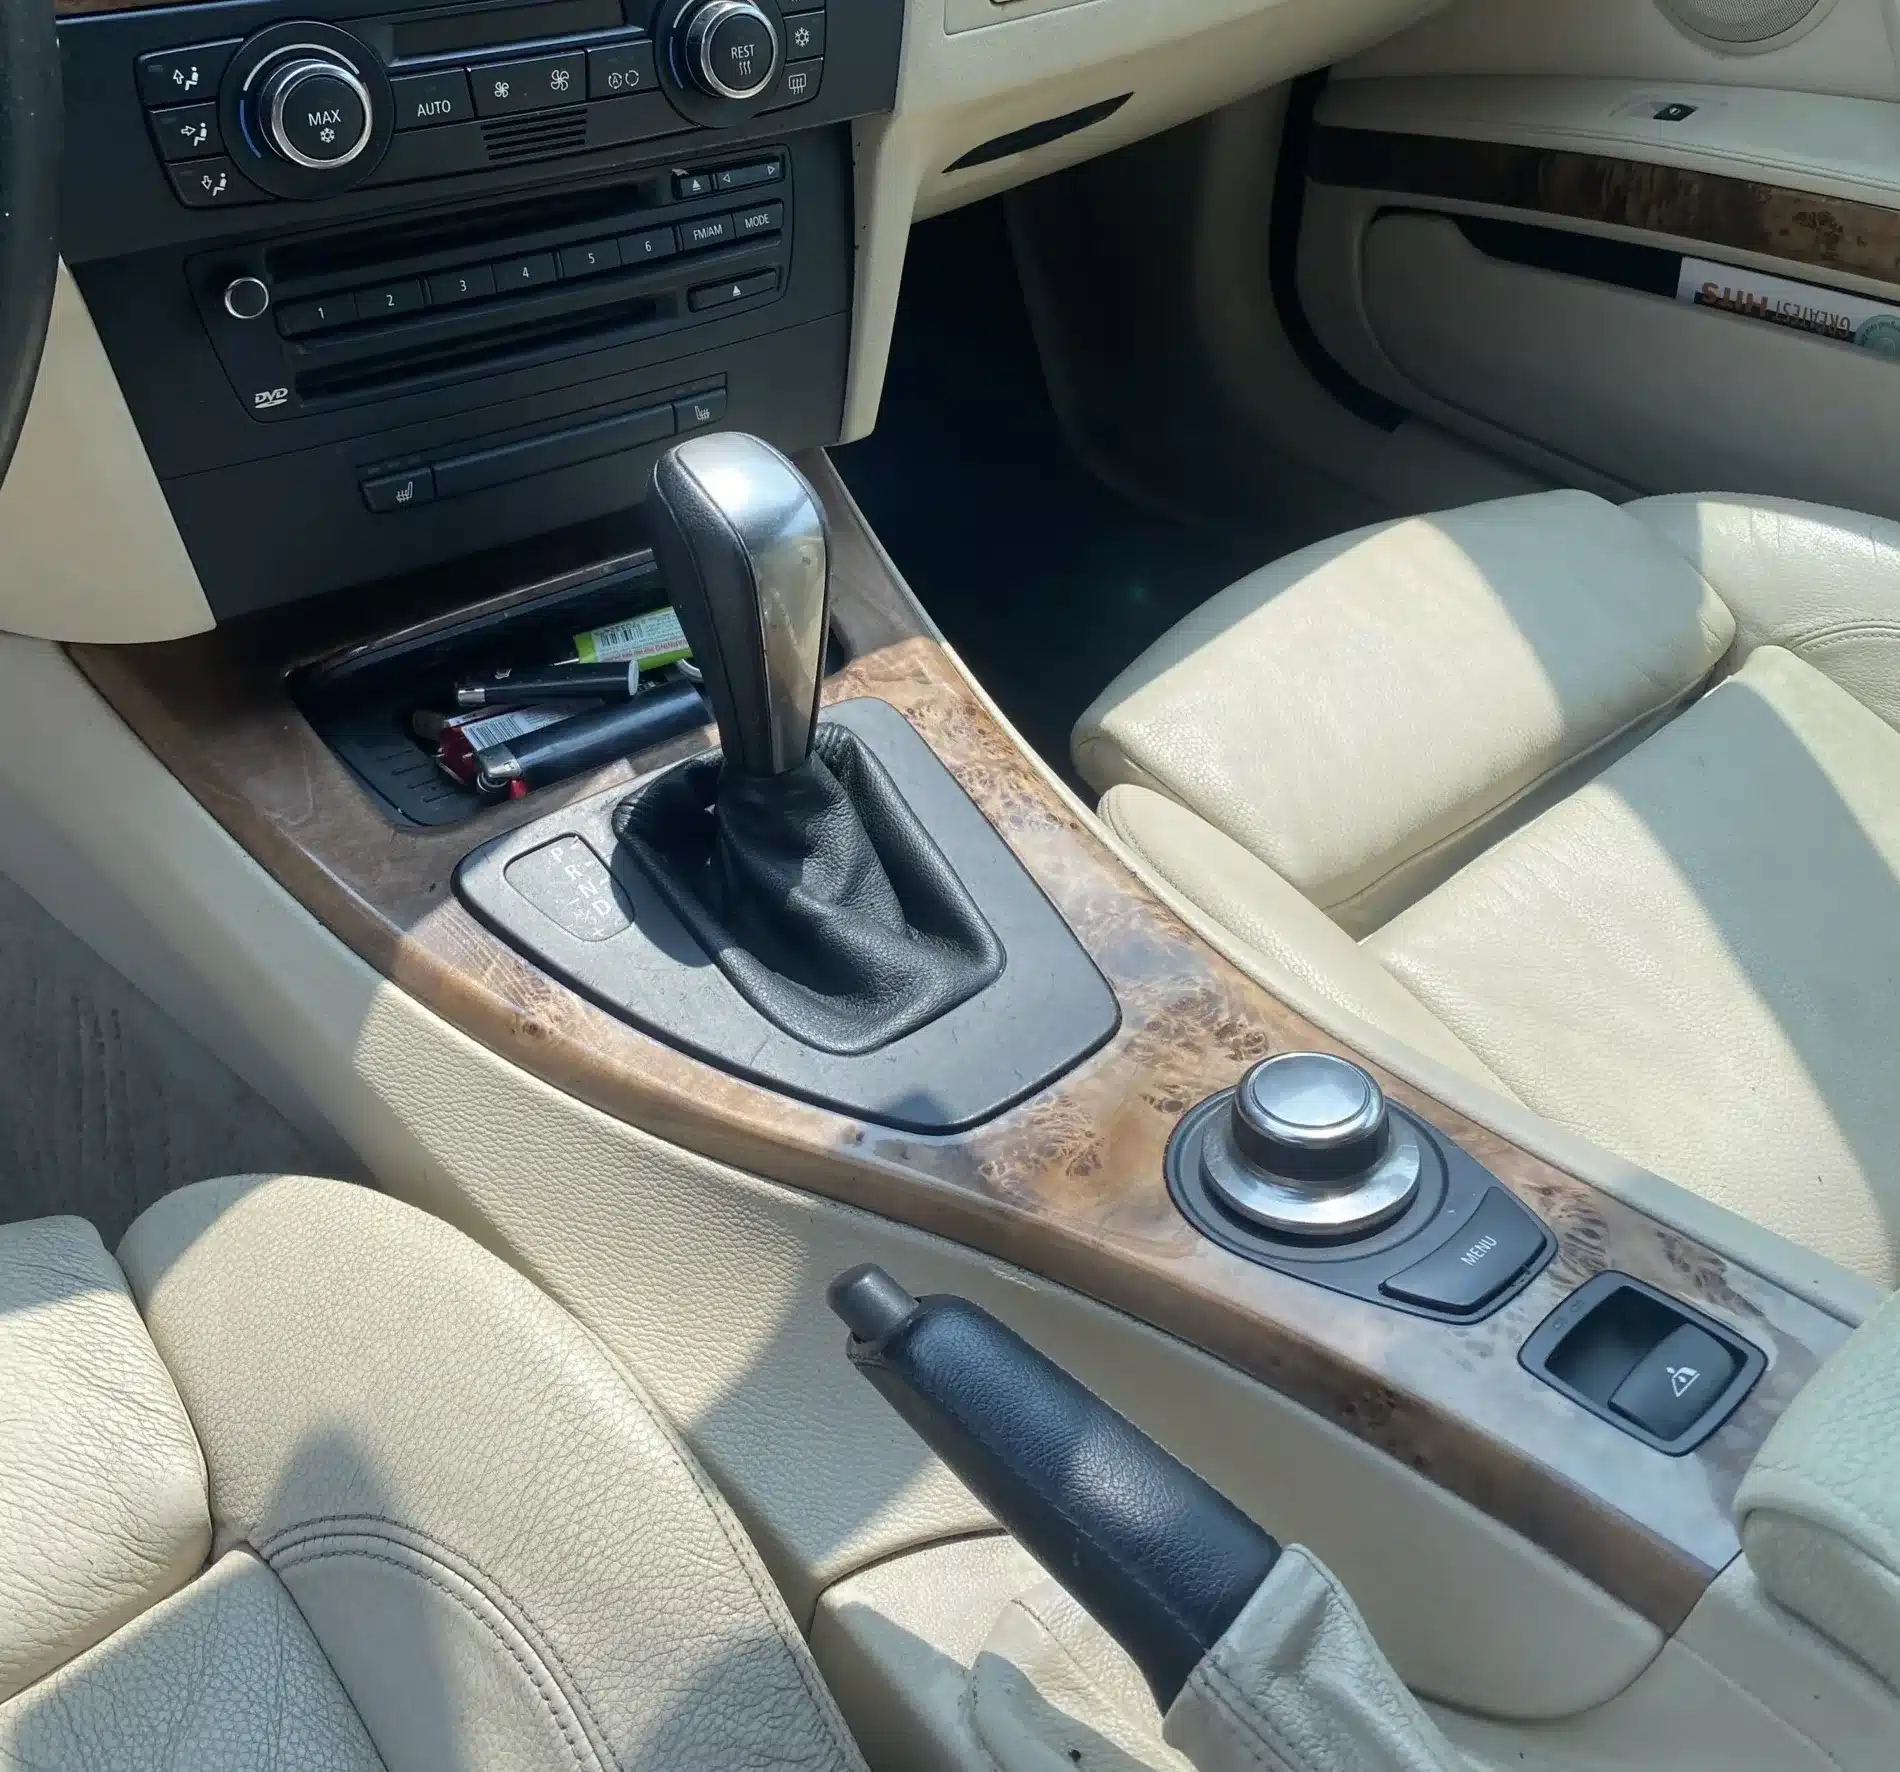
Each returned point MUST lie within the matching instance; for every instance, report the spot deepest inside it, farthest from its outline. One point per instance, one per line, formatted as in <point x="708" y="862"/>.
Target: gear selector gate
<point x="817" y="905"/>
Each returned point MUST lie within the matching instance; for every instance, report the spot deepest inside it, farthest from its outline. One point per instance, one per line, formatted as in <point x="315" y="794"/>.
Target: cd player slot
<point x="505" y="347"/>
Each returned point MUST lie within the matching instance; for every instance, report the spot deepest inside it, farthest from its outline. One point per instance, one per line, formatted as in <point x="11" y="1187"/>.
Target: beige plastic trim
<point x="710" y="1283"/>
<point x="1741" y="1688"/>
<point x="960" y="87"/>
<point x="1676" y="397"/>
<point x="1848" y="51"/>
<point x="89" y="547"/>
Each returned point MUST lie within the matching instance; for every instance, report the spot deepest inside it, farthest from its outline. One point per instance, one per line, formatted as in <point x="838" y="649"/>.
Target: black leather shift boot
<point x="818" y="893"/>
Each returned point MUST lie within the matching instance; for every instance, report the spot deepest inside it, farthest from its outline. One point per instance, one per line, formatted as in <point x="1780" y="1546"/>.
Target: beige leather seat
<point x="306" y="1479"/>
<point x="1600" y="805"/>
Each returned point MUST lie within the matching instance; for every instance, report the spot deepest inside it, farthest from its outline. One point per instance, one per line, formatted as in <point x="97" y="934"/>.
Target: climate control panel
<point x="305" y="109"/>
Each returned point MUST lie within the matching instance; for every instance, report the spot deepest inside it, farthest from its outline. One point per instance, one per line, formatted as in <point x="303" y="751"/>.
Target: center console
<point x="387" y="287"/>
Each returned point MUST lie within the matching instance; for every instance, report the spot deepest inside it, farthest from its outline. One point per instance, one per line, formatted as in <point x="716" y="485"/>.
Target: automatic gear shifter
<point x="791" y="857"/>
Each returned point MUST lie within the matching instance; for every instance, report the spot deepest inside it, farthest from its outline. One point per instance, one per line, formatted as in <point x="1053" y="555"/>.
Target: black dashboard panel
<point x="541" y="252"/>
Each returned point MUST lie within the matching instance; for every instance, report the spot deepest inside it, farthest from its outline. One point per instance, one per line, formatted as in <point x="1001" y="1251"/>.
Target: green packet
<point x="651" y="641"/>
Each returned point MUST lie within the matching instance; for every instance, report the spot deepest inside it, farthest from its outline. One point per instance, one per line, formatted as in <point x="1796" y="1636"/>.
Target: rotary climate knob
<point x="729" y="48"/>
<point x="1308" y="1148"/>
<point x="315" y="110"/>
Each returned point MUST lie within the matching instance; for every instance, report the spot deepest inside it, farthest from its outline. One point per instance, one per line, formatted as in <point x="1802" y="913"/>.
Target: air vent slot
<point x="513" y="139"/>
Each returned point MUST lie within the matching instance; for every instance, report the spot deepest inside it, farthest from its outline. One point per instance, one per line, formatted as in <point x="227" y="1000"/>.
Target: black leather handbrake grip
<point x="1158" y="1558"/>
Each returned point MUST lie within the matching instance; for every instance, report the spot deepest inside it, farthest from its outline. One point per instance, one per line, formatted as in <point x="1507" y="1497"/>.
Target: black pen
<point x="576" y="682"/>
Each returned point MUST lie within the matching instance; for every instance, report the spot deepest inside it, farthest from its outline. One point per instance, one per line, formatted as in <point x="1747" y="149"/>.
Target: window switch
<point x="1672" y="1387"/>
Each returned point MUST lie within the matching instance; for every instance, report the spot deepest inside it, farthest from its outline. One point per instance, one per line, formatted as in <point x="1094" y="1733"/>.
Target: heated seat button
<point x="1496" y="1244"/>
<point x="398" y="492"/>
<point x="189" y="132"/>
<point x="423" y="99"/>
<point x="178" y="76"/>
<point x="1672" y="1387"/>
<point x="697" y="411"/>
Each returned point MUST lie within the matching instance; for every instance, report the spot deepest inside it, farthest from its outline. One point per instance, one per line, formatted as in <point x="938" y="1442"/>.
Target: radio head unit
<point x="385" y="286"/>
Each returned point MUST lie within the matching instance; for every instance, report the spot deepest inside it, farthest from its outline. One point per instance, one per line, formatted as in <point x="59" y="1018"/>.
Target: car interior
<point x="949" y="885"/>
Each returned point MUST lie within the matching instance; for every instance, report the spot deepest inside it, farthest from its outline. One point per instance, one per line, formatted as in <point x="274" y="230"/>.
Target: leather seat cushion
<point x="1823" y="583"/>
<point x="102" y="1489"/>
<point x="1358" y="715"/>
<point x="1695" y="960"/>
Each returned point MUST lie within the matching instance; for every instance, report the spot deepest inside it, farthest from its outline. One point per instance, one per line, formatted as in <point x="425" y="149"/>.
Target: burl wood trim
<point x="1801" y="227"/>
<point x="1069" y="1184"/>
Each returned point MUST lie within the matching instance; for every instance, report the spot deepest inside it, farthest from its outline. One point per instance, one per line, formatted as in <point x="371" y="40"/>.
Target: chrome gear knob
<point x="741" y="541"/>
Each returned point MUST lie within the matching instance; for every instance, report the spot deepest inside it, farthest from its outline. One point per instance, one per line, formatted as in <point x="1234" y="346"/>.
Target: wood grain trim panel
<point x="1068" y="1184"/>
<point x="1801" y="227"/>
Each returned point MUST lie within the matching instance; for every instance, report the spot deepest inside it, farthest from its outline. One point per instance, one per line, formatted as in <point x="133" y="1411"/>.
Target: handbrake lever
<point x="1161" y="1560"/>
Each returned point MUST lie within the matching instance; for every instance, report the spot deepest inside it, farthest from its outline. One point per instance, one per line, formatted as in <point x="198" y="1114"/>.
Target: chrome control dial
<point x="315" y="110"/>
<point x="729" y="48"/>
<point x="1309" y="1148"/>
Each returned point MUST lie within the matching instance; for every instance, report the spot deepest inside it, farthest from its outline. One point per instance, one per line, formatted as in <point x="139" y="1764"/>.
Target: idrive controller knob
<point x="1308" y="1148"/>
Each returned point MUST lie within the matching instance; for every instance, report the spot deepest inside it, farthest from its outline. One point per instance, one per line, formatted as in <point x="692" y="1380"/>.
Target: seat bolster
<point x="1819" y="1511"/>
<point x="102" y="1489"/>
<point x="495" y="1538"/>
<point x="1358" y="714"/>
<point x="1821" y="582"/>
<point x="1288" y="938"/>
<point x="223" y="1676"/>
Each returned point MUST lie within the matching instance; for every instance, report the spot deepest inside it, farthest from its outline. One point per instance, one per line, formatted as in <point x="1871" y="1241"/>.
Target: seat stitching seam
<point x="287" y="1539"/>
<point x="1230" y="1698"/>
<point x="539" y="1679"/>
<point x="1682" y="701"/>
<point x="743" y="1554"/>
